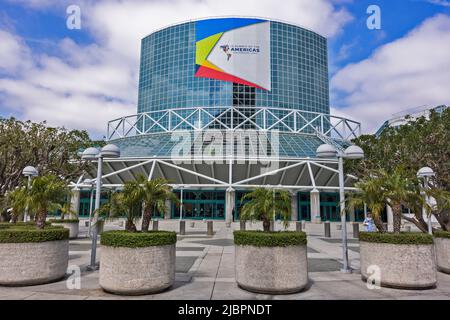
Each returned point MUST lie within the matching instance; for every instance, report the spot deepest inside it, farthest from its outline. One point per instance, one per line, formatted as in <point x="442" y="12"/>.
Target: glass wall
<point x="200" y="205"/>
<point x="299" y="73"/>
<point x="304" y="206"/>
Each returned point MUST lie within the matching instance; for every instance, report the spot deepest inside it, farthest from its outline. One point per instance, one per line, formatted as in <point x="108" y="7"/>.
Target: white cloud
<point x="14" y="55"/>
<point x="409" y="72"/>
<point x="85" y="86"/>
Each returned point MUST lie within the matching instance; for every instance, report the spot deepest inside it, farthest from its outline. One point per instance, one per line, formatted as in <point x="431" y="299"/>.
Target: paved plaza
<point x="205" y="270"/>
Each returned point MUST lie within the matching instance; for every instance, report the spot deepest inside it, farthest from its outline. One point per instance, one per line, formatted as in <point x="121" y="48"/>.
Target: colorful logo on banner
<point x="234" y="50"/>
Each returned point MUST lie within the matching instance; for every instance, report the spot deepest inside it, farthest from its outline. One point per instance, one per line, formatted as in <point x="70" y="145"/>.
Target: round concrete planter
<point x="272" y="270"/>
<point x="402" y="266"/>
<point x="33" y="263"/>
<point x="442" y="246"/>
<point x="73" y="227"/>
<point x="135" y="270"/>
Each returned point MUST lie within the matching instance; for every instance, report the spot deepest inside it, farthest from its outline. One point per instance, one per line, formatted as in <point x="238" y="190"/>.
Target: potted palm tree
<point x="270" y="262"/>
<point x="406" y="259"/>
<point x="72" y="223"/>
<point x="132" y="262"/>
<point x="34" y="253"/>
<point x="154" y="195"/>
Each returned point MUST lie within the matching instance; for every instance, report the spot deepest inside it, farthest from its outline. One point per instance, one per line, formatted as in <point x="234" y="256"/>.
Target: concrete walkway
<point x="205" y="270"/>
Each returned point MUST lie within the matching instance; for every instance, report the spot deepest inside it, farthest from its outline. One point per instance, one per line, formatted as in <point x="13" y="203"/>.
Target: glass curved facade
<point x="298" y="72"/>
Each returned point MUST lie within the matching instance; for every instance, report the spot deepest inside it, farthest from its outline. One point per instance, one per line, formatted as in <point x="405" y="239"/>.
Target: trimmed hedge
<point x="24" y="234"/>
<point x="137" y="239"/>
<point x="396" y="238"/>
<point x="64" y="221"/>
<point x="269" y="239"/>
<point x="22" y="224"/>
<point x="442" y="234"/>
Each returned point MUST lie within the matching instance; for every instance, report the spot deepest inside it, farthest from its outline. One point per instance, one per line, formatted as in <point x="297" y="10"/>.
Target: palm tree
<point x="128" y="202"/>
<point x="264" y="203"/>
<point x="370" y="192"/>
<point x="154" y="195"/>
<point x="400" y="189"/>
<point x="46" y="194"/>
<point x="17" y="200"/>
<point x="67" y="210"/>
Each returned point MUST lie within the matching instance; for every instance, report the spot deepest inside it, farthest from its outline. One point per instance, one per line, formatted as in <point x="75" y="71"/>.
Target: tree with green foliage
<point x="51" y="150"/>
<point x="154" y="194"/>
<point x="17" y="201"/>
<point x="264" y="204"/>
<point x="127" y="202"/>
<point x="47" y="193"/>
<point x="398" y="153"/>
<point x="371" y="193"/>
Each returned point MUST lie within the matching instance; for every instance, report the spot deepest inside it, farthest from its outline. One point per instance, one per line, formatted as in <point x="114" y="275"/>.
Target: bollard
<point x="298" y="226"/>
<point x="242" y="223"/>
<point x="182" y="227"/>
<point x="327" y="229"/>
<point x="356" y="230"/>
<point x="155" y="225"/>
<point x="210" y="228"/>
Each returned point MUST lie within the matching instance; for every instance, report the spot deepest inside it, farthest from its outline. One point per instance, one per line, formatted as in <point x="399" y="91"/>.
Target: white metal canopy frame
<point x="291" y="174"/>
<point x="233" y="171"/>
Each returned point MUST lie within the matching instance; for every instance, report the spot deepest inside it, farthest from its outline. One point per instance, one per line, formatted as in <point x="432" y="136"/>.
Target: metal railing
<point x="234" y="118"/>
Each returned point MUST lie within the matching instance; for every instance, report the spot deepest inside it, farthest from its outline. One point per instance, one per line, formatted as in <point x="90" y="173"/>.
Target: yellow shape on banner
<point x="204" y="48"/>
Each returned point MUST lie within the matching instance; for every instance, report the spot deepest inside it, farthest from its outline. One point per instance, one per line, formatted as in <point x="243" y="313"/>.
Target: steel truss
<point x="292" y="174"/>
<point x="234" y="118"/>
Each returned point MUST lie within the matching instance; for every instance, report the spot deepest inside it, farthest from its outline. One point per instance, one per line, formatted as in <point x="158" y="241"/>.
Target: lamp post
<point x="29" y="172"/>
<point x="425" y="173"/>
<point x="91" y="154"/>
<point x="352" y="152"/>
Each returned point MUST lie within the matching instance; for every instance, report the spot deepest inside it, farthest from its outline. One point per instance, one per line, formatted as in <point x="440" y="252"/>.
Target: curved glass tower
<point x="294" y="59"/>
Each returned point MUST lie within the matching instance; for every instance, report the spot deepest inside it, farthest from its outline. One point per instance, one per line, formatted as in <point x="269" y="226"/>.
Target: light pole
<point x="29" y="172"/>
<point x="352" y="152"/>
<point x="425" y="173"/>
<point x="92" y="154"/>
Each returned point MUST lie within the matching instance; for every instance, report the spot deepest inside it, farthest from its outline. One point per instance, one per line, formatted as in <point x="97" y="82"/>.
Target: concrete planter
<point x="137" y="271"/>
<point x="402" y="266"/>
<point x="442" y="246"/>
<point x="272" y="270"/>
<point x="73" y="227"/>
<point x="33" y="263"/>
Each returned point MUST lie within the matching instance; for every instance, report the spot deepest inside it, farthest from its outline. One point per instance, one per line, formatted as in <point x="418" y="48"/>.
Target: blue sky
<point x="48" y="72"/>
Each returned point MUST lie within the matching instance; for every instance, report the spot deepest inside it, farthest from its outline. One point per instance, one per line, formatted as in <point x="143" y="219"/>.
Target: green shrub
<point x="396" y="238"/>
<point x="24" y="233"/>
<point x="64" y="221"/>
<point x="22" y="224"/>
<point x="137" y="239"/>
<point x="269" y="239"/>
<point x="442" y="234"/>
